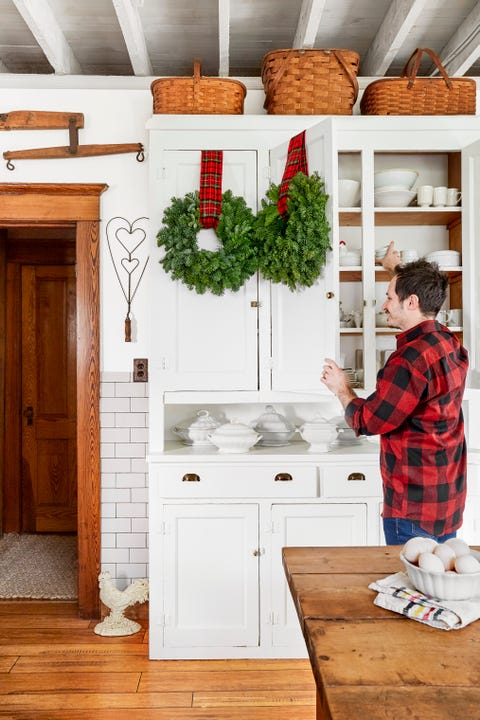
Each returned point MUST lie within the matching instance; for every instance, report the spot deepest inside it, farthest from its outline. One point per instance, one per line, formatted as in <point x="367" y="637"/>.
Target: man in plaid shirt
<point x="416" y="408"/>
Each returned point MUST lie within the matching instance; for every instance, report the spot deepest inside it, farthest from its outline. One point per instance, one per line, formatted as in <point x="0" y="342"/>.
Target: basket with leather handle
<point x="198" y="95"/>
<point x="310" y="82"/>
<point x="413" y="95"/>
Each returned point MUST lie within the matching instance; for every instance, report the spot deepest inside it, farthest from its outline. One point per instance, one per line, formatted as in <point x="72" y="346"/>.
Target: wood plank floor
<point x="54" y="667"/>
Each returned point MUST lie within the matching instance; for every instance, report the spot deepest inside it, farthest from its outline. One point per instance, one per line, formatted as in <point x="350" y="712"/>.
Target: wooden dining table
<point x="370" y="663"/>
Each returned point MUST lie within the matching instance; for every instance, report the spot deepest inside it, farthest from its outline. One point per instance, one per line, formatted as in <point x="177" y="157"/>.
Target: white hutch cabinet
<point x="218" y="522"/>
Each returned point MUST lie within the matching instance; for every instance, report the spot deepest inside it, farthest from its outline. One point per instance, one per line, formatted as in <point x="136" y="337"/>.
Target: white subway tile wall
<point x="124" y="478"/>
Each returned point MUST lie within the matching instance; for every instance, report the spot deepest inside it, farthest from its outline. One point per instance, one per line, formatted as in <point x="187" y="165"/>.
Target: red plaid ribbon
<point x="211" y="188"/>
<point x="296" y="162"/>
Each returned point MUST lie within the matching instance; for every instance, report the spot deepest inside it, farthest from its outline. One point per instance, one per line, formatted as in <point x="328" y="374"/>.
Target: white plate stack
<point x="393" y="188"/>
<point x="445" y="258"/>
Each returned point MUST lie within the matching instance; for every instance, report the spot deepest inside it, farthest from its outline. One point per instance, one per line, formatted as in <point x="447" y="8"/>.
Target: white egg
<point x="416" y="545"/>
<point x="459" y="546"/>
<point x="467" y="564"/>
<point x="432" y="563"/>
<point x="446" y="554"/>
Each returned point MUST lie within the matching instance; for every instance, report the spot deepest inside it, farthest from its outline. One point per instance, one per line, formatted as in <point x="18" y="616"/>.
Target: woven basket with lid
<point x="198" y="95"/>
<point x="413" y="95"/>
<point x="310" y="82"/>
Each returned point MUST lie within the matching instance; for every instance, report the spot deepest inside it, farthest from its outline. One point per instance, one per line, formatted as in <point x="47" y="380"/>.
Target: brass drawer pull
<point x="191" y="477"/>
<point x="283" y="477"/>
<point x="356" y="476"/>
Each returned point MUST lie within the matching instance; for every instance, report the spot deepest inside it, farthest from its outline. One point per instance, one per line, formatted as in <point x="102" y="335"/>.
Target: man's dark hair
<point x="425" y="280"/>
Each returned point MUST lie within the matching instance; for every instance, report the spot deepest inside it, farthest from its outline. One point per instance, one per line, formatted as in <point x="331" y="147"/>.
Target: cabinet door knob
<point x="356" y="476"/>
<point x="330" y="295"/>
<point x="191" y="477"/>
<point x="258" y="551"/>
<point x="283" y="477"/>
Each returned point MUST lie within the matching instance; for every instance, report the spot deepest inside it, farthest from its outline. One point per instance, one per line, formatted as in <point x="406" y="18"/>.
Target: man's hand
<point x="391" y="259"/>
<point x="337" y="382"/>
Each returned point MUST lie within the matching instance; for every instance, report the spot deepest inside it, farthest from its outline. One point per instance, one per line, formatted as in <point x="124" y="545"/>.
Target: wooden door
<point x="49" y="448"/>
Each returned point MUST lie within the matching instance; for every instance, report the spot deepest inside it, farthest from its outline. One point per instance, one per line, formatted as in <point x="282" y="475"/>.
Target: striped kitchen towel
<point x="296" y="162"/>
<point x="395" y="594"/>
<point x="211" y="188"/>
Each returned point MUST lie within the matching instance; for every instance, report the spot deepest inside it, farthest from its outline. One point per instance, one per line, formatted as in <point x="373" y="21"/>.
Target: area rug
<point x="41" y="567"/>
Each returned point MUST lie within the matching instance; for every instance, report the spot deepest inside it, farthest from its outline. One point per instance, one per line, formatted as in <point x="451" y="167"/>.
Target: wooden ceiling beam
<point x="134" y="36"/>
<point x="308" y="23"/>
<point x="41" y="22"/>
<point x="463" y="48"/>
<point x="223" y="38"/>
<point x="392" y="33"/>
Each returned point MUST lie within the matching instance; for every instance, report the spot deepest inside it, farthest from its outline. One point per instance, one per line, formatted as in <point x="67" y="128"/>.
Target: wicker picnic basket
<point x="198" y="95"/>
<point x="310" y="82"/>
<point x="412" y="95"/>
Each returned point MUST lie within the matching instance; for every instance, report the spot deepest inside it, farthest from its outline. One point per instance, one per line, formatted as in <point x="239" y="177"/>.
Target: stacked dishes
<point x="445" y="258"/>
<point x="393" y="188"/>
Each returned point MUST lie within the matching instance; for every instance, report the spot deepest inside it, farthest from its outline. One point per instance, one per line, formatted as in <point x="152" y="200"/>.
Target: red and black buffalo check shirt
<point x="416" y="408"/>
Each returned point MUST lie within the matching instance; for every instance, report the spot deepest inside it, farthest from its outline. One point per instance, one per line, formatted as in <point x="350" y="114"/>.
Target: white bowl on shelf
<point x="405" y="177"/>
<point x="348" y="192"/>
<point x="393" y="197"/>
<point x="451" y="258"/>
<point x="350" y="258"/>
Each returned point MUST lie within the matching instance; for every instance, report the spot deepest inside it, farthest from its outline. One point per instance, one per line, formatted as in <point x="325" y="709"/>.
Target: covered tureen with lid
<point x="274" y="428"/>
<point x="234" y="437"/>
<point x="195" y="431"/>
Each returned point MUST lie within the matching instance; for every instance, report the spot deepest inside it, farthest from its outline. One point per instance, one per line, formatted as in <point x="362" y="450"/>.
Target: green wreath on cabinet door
<point x="293" y="249"/>
<point x="224" y="269"/>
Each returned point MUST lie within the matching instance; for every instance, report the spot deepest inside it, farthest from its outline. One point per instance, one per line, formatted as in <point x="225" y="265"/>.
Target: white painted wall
<point x="116" y="111"/>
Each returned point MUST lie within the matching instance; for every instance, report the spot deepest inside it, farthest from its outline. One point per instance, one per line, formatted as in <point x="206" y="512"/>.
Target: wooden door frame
<point x="50" y="204"/>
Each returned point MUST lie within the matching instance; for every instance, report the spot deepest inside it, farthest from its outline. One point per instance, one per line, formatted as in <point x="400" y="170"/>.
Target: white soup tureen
<point x="234" y="437"/>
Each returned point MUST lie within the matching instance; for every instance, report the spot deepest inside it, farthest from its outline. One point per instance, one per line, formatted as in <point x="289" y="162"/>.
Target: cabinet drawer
<point x="191" y="479"/>
<point x="353" y="480"/>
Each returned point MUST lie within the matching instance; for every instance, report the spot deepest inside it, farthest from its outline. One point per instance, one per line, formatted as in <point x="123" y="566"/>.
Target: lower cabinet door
<point x="211" y="583"/>
<point x="307" y="526"/>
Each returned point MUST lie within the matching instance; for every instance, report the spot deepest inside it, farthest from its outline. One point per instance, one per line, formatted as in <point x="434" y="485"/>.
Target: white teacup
<point x="425" y="195"/>
<point x="453" y="196"/>
<point x="440" y="196"/>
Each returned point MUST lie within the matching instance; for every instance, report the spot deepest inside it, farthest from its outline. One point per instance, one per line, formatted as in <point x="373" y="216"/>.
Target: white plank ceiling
<point x="230" y="37"/>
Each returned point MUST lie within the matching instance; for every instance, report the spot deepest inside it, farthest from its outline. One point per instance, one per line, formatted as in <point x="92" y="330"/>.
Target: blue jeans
<point x="397" y="531"/>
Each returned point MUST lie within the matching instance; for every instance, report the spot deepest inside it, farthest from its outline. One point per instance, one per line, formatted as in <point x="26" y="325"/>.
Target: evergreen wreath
<point x="293" y="249"/>
<point x="228" y="267"/>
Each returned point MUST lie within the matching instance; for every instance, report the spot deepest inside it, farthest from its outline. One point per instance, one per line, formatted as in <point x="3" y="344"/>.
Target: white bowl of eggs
<point x="447" y="571"/>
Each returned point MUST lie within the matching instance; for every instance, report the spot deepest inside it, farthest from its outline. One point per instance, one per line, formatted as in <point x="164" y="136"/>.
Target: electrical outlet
<point x="140" y="370"/>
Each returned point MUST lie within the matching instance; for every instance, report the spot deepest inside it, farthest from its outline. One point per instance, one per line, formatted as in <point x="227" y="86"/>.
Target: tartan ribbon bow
<point x="211" y="188"/>
<point x="296" y="162"/>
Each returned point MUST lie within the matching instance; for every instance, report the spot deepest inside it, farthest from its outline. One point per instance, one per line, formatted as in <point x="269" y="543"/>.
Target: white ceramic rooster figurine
<point x="118" y="601"/>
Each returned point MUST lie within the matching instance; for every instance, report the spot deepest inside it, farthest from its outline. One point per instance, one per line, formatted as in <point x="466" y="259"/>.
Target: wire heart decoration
<point x="124" y="239"/>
